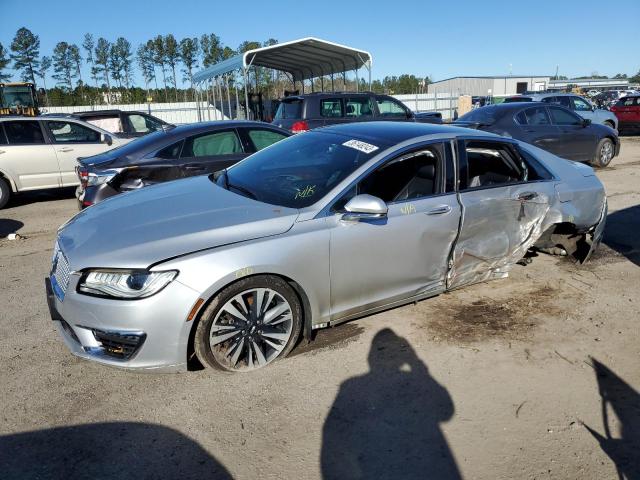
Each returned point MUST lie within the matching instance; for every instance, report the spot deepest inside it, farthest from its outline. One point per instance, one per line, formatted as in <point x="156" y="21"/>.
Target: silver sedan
<point x="318" y="229"/>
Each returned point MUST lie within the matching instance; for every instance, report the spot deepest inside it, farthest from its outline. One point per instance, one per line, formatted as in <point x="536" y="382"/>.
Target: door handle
<point x="526" y="196"/>
<point x="66" y="149"/>
<point x="439" y="210"/>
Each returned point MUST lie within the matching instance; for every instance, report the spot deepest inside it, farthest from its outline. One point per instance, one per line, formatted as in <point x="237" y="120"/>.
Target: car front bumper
<point x="150" y="334"/>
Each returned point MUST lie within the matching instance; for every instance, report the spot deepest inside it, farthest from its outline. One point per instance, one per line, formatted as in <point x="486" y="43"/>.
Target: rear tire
<point x="5" y="192"/>
<point x="604" y="153"/>
<point x="249" y="324"/>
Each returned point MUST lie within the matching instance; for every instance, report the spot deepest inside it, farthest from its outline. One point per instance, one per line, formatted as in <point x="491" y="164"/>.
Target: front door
<point x="376" y="262"/>
<point x="536" y="129"/>
<point x="505" y="199"/>
<point x="578" y="142"/>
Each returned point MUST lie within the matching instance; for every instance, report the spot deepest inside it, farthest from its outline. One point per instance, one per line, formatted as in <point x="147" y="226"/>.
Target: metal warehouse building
<point x="493" y="86"/>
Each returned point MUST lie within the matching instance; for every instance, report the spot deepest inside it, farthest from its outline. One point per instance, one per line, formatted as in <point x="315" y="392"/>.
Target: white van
<point x="42" y="152"/>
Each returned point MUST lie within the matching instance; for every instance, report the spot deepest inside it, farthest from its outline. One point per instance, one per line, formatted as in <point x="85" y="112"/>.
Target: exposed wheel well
<point x="192" y="360"/>
<point x="567" y="236"/>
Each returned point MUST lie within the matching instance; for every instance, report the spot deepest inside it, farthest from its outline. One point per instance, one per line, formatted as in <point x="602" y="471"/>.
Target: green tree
<point x="211" y="47"/>
<point x="89" y="44"/>
<point x="101" y="59"/>
<point x="635" y="78"/>
<point x="159" y="60"/>
<point x="26" y="50"/>
<point x="172" y="56"/>
<point x="189" y="50"/>
<point x="144" y="57"/>
<point x="63" y="65"/>
<point x="45" y="65"/>
<point x="4" y="62"/>
<point x="76" y="59"/>
<point x="620" y="75"/>
<point x="115" y="65"/>
<point x="124" y="59"/>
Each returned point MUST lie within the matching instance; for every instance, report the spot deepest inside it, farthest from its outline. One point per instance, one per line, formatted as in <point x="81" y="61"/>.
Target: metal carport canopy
<point x="304" y="59"/>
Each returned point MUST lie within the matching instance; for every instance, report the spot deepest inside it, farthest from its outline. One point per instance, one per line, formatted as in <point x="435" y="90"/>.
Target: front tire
<point x="604" y="153"/>
<point x="5" y="192"/>
<point x="249" y="324"/>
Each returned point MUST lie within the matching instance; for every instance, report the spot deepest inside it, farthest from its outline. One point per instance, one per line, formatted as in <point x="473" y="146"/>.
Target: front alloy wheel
<point x="249" y="324"/>
<point x="604" y="153"/>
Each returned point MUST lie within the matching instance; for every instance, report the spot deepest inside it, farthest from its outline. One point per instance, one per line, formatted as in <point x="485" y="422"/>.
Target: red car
<point x="627" y="109"/>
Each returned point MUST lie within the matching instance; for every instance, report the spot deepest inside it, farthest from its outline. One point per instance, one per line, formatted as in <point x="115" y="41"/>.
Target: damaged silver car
<point x="233" y="268"/>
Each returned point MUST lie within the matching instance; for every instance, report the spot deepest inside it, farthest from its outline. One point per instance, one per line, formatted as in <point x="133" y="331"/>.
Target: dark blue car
<point x="550" y="127"/>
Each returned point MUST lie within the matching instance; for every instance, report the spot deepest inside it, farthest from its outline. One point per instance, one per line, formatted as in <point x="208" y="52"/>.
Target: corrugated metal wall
<point x="481" y="86"/>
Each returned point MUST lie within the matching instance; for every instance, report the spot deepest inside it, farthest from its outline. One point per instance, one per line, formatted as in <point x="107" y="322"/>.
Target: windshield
<point x="289" y="109"/>
<point x="17" y="97"/>
<point x="483" y="115"/>
<point x="300" y="170"/>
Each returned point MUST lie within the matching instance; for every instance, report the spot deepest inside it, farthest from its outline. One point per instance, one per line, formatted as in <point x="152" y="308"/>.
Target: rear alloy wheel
<point x="249" y="324"/>
<point x="604" y="153"/>
<point x="5" y="192"/>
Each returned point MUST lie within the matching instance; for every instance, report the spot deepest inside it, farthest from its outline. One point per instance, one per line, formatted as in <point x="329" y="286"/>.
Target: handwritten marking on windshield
<point x="307" y="191"/>
<point x="408" y="209"/>
<point x="243" y="272"/>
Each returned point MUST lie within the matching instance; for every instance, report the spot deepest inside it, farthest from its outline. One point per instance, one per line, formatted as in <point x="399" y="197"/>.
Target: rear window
<point x="628" y="102"/>
<point x="109" y="123"/>
<point x="289" y="109"/>
<point x="24" y="133"/>
<point x="482" y="115"/>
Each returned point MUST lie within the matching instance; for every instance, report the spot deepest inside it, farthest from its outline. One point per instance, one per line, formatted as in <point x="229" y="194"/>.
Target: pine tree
<point x="4" y="62"/>
<point x="26" y="48"/>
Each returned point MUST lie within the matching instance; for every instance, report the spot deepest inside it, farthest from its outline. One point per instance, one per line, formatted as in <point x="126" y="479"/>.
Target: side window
<point x="143" y="123"/>
<point x="263" y="138"/>
<point x="110" y="124"/>
<point x="331" y="107"/>
<point x="24" y="133"/>
<point x="210" y="144"/>
<point x="580" y="105"/>
<point x="550" y="99"/>
<point x="561" y="116"/>
<point x="535" y="170"/>
<point x="70" y="132"/>
<point x="390" y="108"/>
<point x="564" y="101"/>
<point x="492" y="164"/>
<point x="411" y="176"/>
<point x="535" y="116"/>
<point x="3" y="137"/>
<point x="171" y="152"/>
<point x="358" y="107"/>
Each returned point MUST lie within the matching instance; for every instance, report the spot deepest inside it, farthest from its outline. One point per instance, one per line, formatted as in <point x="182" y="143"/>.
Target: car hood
<point x="140" y="228"/>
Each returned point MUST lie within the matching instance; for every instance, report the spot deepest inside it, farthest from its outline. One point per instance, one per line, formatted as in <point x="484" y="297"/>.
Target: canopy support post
<point x="219" y="85"/>
<point x="246" y="94"/>
<point x="333" y="89"/>
<point x="226" y="81"/>
<point x="322" y="83"/>
<point x="197" y="92"/>
<point x="357" y="81"/>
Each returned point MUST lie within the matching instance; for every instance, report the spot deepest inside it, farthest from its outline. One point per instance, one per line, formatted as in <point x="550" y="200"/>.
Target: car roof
<point x="328" y="94"/>
<point x="391" y="133"/>
<point x="101" y="112"/>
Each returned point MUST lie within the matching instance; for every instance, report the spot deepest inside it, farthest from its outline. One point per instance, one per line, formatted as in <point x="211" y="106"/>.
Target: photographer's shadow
<point x="386" y="424"/>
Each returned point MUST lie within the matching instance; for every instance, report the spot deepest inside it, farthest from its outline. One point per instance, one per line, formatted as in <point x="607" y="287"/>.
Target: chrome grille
<point x="60" y="269"/>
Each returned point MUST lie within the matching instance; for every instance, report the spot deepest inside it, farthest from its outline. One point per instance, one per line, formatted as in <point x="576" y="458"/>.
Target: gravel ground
<point x="534" y="377"/>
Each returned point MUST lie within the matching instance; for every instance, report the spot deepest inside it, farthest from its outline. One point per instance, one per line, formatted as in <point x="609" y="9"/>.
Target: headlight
<point x="127" y="284"/>
<point x="94" y="179"/>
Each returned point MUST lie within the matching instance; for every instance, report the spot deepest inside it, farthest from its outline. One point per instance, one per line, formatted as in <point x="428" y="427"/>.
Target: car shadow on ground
<point x="26" y="198"/>
<point x="106" y="451"/>
<point x="620" y="232"/>
<point x="8" y="226"/>
<point x="386" y="424"/>
<point x="620" y="398"/>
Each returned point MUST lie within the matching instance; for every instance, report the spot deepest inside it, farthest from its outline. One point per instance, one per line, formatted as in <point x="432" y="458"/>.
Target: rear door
<point x="332" y="111"/>
<point x="577" y="142"/>
<point x="209" y="152"/>
<point x="505" y="198"/>
<point x="536" y="128"/>
<point x="28" y="158"/>
<point x="72" y="140"/>
<point x="359" y="108"/>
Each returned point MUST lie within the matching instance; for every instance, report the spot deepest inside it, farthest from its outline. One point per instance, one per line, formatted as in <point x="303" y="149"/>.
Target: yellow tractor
<point x="18" y="99"/>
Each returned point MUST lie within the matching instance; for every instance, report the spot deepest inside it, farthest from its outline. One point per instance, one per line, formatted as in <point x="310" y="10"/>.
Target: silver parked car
<point x="578" y="104"/>
<point x="310" y="232"/>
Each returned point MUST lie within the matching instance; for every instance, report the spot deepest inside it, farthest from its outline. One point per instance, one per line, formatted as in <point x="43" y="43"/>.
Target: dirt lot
<point x="535" y="376"/>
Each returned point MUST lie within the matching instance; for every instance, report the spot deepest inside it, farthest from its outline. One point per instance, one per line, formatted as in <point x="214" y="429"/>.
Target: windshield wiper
<point x="247" y="192"/>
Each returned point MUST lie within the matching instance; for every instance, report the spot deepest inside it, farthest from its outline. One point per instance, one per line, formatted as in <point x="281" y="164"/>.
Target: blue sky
<point x="440" y="39"/>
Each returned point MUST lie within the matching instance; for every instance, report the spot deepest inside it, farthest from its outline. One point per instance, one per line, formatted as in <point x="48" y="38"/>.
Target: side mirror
<point x="586" y="122"/>
<point x="364" y="207"/>
<point x="104" y="138"/>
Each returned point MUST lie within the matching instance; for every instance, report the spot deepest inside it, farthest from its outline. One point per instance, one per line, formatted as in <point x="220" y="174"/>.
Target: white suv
<point x="42" y="152"/>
